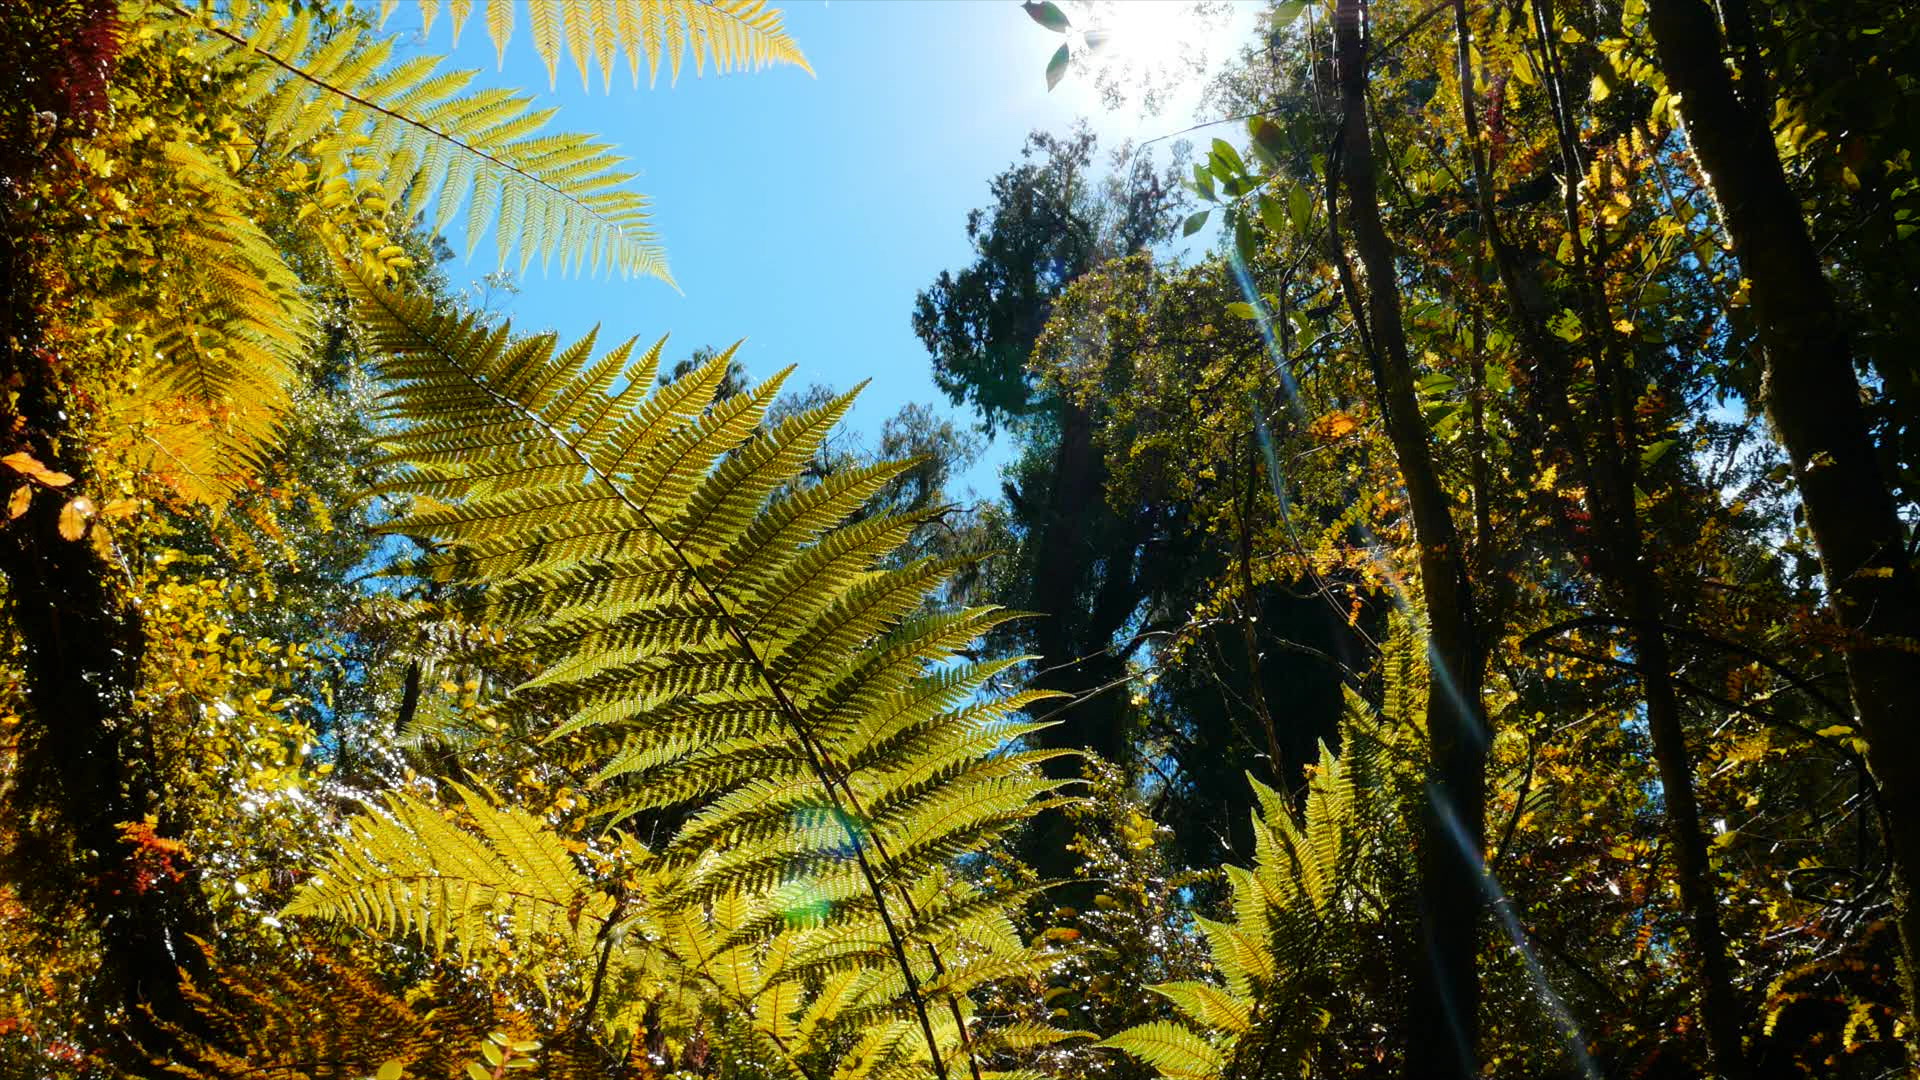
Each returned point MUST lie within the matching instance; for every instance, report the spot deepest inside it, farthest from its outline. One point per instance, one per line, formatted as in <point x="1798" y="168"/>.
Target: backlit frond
<point x="415" y="868"/>
<point x="728" y="34"/>
<point x="215" y="350"/>
<point x="330" y="1016"/>
<point x="760" y="663"/>
<point x="1321" y="897"/>
<point x="429" y="141"/>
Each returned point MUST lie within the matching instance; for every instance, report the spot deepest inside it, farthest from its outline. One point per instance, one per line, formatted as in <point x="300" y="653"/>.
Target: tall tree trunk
<point x="1812" y="396"/>
<point x="1074" y="632"/>
<point x="1443" y="1022"/>
<point x="1609" y="482"/>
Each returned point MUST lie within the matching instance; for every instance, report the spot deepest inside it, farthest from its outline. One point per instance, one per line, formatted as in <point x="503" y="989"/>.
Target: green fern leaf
<point x="733" y="648"/>
<point x="1172" y="1048"/>
<point x="428" y="142"/>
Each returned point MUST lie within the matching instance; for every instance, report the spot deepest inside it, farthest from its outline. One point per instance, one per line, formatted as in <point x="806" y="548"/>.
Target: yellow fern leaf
<point x="500" y="27"/>
<point x="729" y="34"/>
<point x="543" y="22"/>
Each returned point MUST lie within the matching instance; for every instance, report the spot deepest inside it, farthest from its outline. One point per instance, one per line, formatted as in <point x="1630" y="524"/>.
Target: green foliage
<point x="410" y="868"/>
<point x="328" y="1017"/>
<point x="414" y="132"/>
<point x="1299" y="963"/>
<point x="735" y="660"/>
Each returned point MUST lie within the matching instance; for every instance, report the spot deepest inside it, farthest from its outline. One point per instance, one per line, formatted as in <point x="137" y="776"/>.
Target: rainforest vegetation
<point x="1462" y="623"/>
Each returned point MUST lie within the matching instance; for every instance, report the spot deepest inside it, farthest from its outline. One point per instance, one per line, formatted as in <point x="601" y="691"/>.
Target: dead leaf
<point x="18" y="502"/>
<point x="74" y="517"/>
<point x="30" y="467"/>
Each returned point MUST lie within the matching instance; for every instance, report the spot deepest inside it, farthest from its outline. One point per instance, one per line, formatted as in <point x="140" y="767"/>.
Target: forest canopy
<point x="1449" y="606"/>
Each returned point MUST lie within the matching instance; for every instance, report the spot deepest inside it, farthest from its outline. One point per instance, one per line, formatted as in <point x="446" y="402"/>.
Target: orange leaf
<point x="74" y="517"/>
<point x="21" y="498"/>
<point x="1334" y="425"/>
<point x="29" y="466"/>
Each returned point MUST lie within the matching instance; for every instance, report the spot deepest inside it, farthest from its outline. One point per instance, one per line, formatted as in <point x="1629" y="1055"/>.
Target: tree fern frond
<point x="329" y="1015"/>
<point x="1211" y="1006"/>
<point x="729" y="34"/>
<point x="1174" y="1049"/>
<point x="213" y="369"/>
<point x="747" y="644"/>
<point x="429" y="142"/>
<point x="413" y="869"/>
<point x="1323" y="894"/>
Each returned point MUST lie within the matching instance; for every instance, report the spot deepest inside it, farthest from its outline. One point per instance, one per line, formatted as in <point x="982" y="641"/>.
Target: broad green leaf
<point x="1194" y="223"/>
<point x="1565" y="326"/>
<point x="1283" y="15"/>
<point x="1057" y="67"/>
<point x="1273" y="214"/>
<point x="1047" y="14"/>
<point x="1269" y="141"/>
<point x="1243" y="239"/>
<point x="1203" y="183"/>
<point x="1300" y="207"/>
<point x="1224" y="151"/>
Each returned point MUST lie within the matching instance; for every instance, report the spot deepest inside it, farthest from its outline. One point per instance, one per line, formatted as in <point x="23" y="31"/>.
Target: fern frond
<point x="749" y="646"/>
<point x="1211" y="1006"/>
<point x="412" y="868"/>
<point x="429" y="142"/>
<point x="1174" y="1049"/>
<point x="729" y="34"/>
<point x="1320" y="896"/>
<point x="220" y="342"/>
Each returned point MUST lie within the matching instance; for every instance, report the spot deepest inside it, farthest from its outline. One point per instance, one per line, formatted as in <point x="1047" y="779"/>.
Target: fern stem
<point x="606" y="956"/>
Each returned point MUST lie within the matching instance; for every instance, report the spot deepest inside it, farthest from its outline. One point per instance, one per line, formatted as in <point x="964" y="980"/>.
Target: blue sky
<point x="804" y="213"/>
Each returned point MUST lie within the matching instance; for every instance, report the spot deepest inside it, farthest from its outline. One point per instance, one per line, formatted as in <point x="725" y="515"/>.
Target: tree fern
<point x="322" y="88"/>
<point x="727" y="33"/>
<point x="1313" y="918"/>
<point x="729" y="649"/>
<point x="223" y="322"/>
<point x="331" y="1018"/>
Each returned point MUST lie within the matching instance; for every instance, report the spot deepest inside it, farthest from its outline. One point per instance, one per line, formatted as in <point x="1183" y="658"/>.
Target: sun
<point x="1141" y="51"/>
<point x="1145" y="32"/>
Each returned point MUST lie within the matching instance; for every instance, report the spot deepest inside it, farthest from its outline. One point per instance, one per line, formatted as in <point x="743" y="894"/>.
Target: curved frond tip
<point x="729" y="34"/>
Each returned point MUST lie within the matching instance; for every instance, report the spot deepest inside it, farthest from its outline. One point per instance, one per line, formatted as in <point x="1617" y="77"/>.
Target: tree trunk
<point x="1073" y="634"/>
<point x="1812" y="396"/>
<point x="1609" y="483"/>
<point x="1442" y="1025"/>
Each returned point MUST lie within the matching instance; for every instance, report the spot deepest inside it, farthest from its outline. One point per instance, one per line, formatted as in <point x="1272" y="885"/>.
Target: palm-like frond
<point x="1324" y="884"/>
<point x="766" y="675"/>
<point x="1177" y="1051"/>
<point x="225" y="321"/>
<point x="429" y="141"/>
<point x="728" y="34"/>
<point x="412" y="868"/>
<point x="330" y="1016"/>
